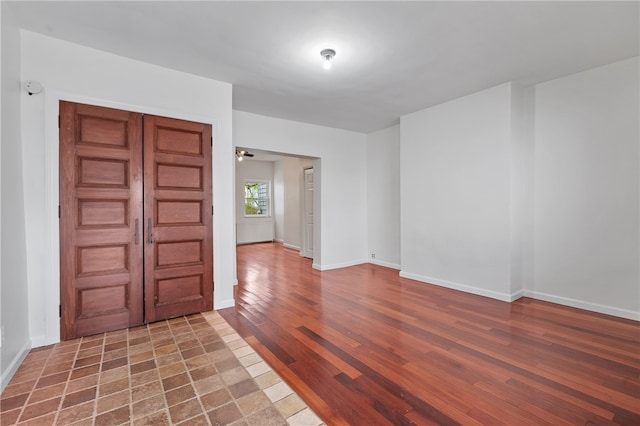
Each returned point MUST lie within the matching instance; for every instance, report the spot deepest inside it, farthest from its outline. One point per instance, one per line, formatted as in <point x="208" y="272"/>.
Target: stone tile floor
<point x="193" y="370"/>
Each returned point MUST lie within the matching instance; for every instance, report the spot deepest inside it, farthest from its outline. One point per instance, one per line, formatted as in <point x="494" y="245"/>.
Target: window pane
<point x="256" y="202"/>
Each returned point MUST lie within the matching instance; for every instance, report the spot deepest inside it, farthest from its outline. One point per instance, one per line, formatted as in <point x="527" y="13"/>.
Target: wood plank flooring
<point x="363" y="346"/>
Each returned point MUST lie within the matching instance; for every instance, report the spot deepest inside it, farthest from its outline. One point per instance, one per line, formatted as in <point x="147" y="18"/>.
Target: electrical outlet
<point x="373" y="255"/>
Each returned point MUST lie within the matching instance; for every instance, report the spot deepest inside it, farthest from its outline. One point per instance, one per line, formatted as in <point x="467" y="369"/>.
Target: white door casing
<point x="308" y="213"/>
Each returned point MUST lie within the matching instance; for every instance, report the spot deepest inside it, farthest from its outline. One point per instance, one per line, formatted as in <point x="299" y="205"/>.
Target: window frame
<point x="267" y="198"/>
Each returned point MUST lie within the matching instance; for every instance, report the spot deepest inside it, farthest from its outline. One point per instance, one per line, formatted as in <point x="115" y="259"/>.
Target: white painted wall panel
<point x="14" y="312"/>
<point x="294" y="193"/>
<point x="278" y="200"/>
<point x="455" y="161"/>
<point x="587" y="231"/>
<point x="255" y="232"/>
<point x="383" y="196"/>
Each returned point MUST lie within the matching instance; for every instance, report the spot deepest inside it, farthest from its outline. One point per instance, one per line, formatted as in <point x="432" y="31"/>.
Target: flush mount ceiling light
<point x="327" y="55"/>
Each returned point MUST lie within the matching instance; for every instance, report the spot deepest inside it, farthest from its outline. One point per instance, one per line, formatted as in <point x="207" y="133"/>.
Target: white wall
<point x="520" y="153"/>
<point x="529" y="191"/>
<point x="14" y="310"/>
<point x="587" y="228"/>
<point x="383" y="196"/>
<point x="339" y="180"/>
<point x="253" y="229"/>
<point x="294" y="202"/>
<point x="278" y="200"/>
<point x="455" y="161"/>
<point x="288" y="178"/>
<point x="526" y="177"/>
<point x="72" y="72"/>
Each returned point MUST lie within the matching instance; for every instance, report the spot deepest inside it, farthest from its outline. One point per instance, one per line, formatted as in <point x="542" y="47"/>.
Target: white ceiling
<point x="259" y="155"/>
<point x="393" y="58"/>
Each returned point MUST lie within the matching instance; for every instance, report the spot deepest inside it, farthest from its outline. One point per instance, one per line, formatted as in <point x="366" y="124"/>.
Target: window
<point x="256" y="198"/>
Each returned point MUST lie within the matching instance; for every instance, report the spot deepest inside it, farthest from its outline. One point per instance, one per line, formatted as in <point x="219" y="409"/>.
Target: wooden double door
<point x="136" y="240"/>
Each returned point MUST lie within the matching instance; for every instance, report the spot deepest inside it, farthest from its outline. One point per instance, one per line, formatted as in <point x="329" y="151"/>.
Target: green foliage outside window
<point x="256" y="198"/>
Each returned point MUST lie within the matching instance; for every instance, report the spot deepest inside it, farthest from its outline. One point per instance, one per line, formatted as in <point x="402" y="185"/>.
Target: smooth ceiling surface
<point x="393" y="58"/>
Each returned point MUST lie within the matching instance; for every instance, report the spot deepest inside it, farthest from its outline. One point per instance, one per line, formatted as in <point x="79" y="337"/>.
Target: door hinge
<point x="59" y="311"/>
<point x="59" y="212"/>
<point x="211" y="140"/>
<point x="58" y="122"/>
<point x="211" y="210"/>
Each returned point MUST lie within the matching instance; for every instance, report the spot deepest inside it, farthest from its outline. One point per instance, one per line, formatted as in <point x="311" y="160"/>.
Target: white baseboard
<point x="223" y="304"/>
<point x="589" y="306"/>
<point x="243" y="243"/>
<point x="338" y="265"/>
<point x="574" y="303"/>
<point x="13" y="366"/>
<point x="42" y="340"/>
<point x="517" y="295"/>
<point x="291" y="246"/>
<point x="385" y="264"/>
<point x="460" y="287"/>
<point x="279" y="240"/>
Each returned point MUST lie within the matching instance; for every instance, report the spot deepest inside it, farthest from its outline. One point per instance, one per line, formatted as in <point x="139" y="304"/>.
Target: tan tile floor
<point x="189" y="371"/>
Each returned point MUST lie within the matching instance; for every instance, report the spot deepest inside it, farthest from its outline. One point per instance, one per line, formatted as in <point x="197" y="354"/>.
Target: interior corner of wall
<point x="517" y="295"/>
<point x="13" y="365"/>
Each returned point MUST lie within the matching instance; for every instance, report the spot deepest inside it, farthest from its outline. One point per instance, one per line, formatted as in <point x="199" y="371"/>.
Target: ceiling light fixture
<point x="240" y="154"/>
<point x="328" y="55"/>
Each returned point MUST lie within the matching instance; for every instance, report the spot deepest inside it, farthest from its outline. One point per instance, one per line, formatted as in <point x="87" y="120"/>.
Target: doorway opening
<point x="293" y="200"/>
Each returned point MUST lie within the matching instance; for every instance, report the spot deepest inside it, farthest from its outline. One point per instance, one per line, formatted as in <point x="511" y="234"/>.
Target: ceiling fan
<point x="240" y="154"/>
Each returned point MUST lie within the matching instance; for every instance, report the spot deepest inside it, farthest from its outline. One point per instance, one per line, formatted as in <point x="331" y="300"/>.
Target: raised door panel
<point x="101" y="204"/>
<point x="178" y="233"/>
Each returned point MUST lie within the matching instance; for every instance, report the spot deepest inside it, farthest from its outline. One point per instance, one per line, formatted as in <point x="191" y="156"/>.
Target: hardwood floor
<point x="363" y="346"/>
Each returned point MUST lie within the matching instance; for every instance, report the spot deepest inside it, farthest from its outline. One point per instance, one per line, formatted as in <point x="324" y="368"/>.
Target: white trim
<point x="13" y="366"/>
<point x="517" y="295"/>
<point x="52" y="236"/>
<point x="580" y="304"/>
<point x="37" y="341"/>
<point x="306" y="250"/>
<point x="460" y="287"/>
<point x="258" y="181"/>
<point x="291" y="246"/>
<point x="385" y="264"/>
<point x="245" y="243"/>
<point x="338" y="265"/>
<point x="279" y="240"/>
<point x="223" y="304"/>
